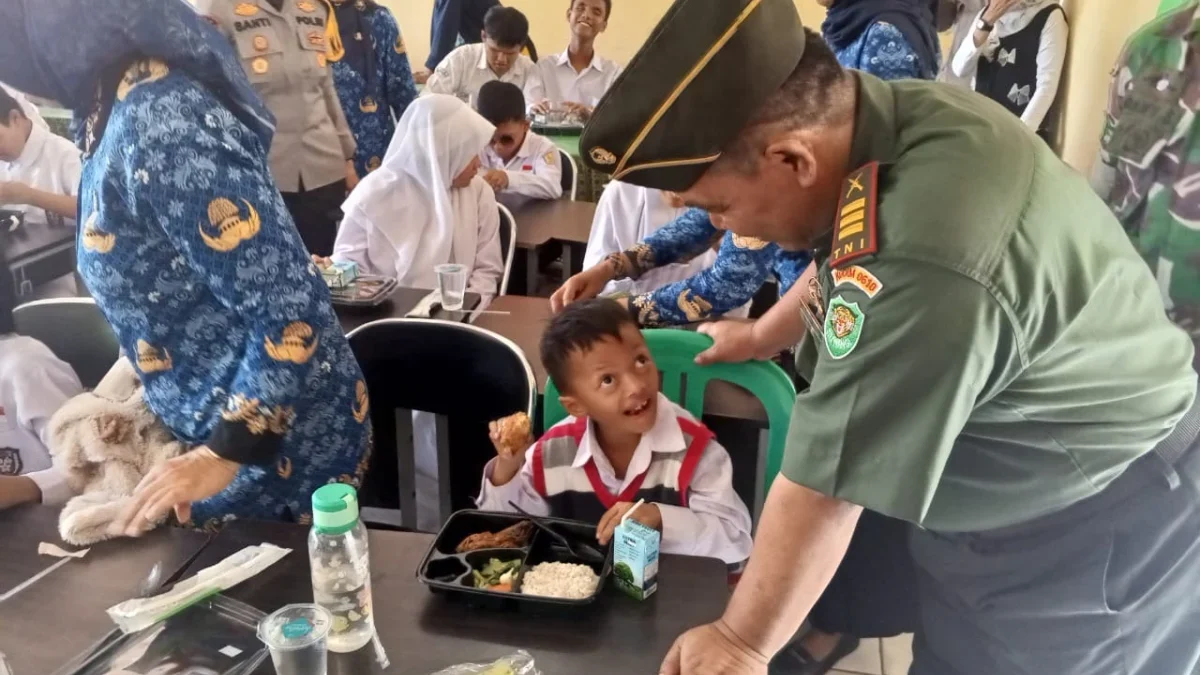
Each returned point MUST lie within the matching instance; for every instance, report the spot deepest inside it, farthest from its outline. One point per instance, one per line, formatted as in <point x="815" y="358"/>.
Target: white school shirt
<point x="714" y="524"/>
<point x="49" y="163"/>
<point x="1051" y="55"/>
<point x="535" y="172"/>
<point x="34" y="384"/>
<point x="465" y="70"/>
<point x="563" y="84"/>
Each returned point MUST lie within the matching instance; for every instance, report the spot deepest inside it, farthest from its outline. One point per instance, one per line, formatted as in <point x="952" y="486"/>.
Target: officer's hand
<point x="712" y="650"/>
<point x="497" y="179"/>
<point x="422" y="76"/>
<point x="733" y="342"/>
<point x="583" y="286"/>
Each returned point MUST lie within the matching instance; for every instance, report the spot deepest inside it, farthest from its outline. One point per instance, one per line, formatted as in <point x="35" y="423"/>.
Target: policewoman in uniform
<point x="994" y="366"/>
<point x="373" y="77"/>
<point x="285" y="47"/>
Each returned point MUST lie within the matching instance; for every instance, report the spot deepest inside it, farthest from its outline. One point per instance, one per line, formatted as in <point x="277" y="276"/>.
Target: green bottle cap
<point x="335" y="508"/>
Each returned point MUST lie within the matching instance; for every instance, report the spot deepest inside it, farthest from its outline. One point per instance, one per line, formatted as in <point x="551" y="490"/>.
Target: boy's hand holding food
<point x="512" y="436"/>
<point x="647" y="514"/>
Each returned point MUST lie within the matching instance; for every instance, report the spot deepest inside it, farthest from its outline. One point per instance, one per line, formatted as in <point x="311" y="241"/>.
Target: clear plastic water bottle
<point x="341" y="568"/>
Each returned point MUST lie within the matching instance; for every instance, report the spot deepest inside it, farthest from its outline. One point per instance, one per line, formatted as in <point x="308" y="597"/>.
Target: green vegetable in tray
<point x="497" y="575"/>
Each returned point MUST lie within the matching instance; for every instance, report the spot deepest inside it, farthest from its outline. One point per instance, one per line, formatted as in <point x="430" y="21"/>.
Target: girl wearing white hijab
<point x="425" y="205"/>
<point x="1016" y="55"/>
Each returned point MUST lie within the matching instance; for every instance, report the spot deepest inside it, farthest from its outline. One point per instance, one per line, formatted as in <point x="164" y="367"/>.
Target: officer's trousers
<point x="1110" y="586"/>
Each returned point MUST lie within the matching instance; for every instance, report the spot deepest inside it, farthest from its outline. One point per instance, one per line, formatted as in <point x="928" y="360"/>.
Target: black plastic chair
<point x="75" y="330"/>
<point x="465" y="375"/>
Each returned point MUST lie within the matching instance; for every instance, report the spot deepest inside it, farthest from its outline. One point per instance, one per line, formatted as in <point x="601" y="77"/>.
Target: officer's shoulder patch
<point x="855" y="234"/>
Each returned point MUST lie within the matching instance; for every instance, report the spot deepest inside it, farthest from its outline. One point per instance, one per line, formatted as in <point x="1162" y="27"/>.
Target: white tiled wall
<point x="891" y="656"/>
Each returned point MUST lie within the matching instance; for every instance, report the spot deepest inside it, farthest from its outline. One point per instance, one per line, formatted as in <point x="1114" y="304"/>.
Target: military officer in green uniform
<point x="989" y="356"/>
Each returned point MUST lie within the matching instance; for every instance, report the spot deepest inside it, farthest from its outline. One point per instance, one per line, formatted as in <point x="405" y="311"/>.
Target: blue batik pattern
<point x="193" y="258"/>
<point x="743" y="264"/>
<point x="883" y="51"/>
<point x="371" y="120"/>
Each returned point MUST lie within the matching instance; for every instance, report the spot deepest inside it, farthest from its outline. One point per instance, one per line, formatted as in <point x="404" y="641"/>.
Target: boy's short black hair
<point x="607" y="8"/>
<point x="499" y="102"/>
<point x="8" y="291"/>
<point x="507" y="26"/>
<point x="7" y="105"/>
<point x="577" y="328"/>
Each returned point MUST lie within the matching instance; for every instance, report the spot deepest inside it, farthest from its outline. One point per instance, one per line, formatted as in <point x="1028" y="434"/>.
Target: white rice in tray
<point x="560" y="580"/>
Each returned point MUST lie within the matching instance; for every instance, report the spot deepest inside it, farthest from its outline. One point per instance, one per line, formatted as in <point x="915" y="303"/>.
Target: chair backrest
<point x="75" y="330"/>
<point x="465" y="375"/>
<point x="570" y="184"/>
<point x="508" y="247"/>
<point x="684" y="383"/>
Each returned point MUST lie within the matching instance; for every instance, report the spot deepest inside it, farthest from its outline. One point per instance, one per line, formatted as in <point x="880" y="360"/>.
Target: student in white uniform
<point x="498" y="57"/>
<point x="425" y="205"/>
<point x="576" y="79"/>
<point x="27" y="106"/>
<point x="39" y="172"/>
<point x="34" y="384"/>
<point x="520" y="165"/>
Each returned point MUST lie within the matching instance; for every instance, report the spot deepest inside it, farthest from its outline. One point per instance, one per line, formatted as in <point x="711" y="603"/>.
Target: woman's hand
<point x="191" y="477"/>
<point x="351" y="176"/>
<point x="997" y="9"/>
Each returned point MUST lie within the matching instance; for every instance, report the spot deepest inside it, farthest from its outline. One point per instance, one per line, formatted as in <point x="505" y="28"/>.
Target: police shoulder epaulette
<point x="855" y="234"/>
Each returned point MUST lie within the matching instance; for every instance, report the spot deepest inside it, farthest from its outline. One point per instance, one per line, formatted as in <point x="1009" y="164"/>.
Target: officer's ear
<point x="794" y="152"/>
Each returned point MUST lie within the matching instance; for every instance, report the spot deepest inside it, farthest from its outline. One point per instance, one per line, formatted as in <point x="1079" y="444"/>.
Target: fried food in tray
<point x="517" y="536"/>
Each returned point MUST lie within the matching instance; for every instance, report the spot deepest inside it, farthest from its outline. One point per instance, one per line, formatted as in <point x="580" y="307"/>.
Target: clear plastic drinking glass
<point x="296" y="636"/>
<point x="452" y="284"/>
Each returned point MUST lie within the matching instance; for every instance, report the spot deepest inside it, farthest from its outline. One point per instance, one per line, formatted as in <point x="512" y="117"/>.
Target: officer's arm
<point x="802" y="538"/>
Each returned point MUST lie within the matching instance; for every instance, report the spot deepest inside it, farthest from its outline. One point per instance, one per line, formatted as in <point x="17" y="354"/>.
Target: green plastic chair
<point x="675" y="353"/>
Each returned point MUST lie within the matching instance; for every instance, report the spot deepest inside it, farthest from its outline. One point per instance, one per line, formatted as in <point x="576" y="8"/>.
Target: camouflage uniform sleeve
<point x="900" y="365"/>
<point x="742" y="266"/>
<point x="398" y="78"/>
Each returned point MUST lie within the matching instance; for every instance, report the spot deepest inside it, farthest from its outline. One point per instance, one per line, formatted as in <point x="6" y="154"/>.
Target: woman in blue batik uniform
<point x="890" y="39"/>
<point x="189" y="251"/>
<point x="373" y="77"/>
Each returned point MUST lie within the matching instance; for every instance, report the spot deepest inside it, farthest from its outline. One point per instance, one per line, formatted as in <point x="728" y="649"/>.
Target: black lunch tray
<point x="449" y="573"/>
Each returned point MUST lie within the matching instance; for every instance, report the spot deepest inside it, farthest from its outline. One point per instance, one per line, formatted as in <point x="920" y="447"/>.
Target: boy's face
<point x="13" y="135"/>
<point x="508" y="138"/>
<point x="500" y="57"/>
<point x="615" y="383"/>
<point x="587" y="18"/>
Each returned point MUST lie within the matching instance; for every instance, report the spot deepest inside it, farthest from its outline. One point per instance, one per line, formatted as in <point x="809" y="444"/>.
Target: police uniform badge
<point x="855" y="234"/>
<point x="321" y="60"/>
<point x="246" y="9"/>
<point x="306" y="7"/>
<point x="260" y="66"/>
<point x="260" y="43"/>
<point x="368" y="105"/>
<point x="315" y="38"/>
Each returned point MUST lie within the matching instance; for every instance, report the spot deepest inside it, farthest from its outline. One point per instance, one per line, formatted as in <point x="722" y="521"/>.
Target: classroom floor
<point x="890" y="656"/>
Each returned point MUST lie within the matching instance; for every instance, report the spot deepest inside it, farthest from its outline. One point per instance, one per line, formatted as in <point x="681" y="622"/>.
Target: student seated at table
<point x="625" y="215"/>
<point x="576" y="79"/>
<point x="426" y="205"/>
<point x="34" y="384"/>
<point x="39" y="171"/>
<point x="624" y="442"/>
<point x="31" y="111"/>
<point x="520" y="165"/>
<point x="498" y="57"/>
<point x="742" y="266"/>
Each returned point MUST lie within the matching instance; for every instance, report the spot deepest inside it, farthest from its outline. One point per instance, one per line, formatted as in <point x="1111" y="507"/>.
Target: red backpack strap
<point x="574" y="430"/>
<point x="701" y="437"/>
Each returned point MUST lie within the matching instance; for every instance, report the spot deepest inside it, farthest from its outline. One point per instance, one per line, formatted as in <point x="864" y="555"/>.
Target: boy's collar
<point x="564" y="59"/>
<point x="664" y="437"/>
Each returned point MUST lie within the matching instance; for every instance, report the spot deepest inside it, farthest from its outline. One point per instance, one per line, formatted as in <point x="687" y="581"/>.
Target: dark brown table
<point x="424" y="633"/>
<point x="63" y="614"/>
<point x="562" y="220"/>
<point x="40" y="252"/>
<point x="402" y="302"/>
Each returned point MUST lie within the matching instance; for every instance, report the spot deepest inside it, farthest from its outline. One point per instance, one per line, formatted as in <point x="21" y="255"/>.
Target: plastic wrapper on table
<point x="520" y="663"/>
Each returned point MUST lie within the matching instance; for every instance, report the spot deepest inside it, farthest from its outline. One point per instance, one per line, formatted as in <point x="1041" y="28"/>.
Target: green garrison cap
<point x="704" y="71"/>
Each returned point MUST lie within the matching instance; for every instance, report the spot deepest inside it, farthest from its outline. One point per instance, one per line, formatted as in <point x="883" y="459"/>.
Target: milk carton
<point x="340" y="274"/>
<point x="635" y="558"/>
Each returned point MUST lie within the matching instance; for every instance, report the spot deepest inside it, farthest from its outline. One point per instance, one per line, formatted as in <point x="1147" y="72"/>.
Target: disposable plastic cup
<point x="452" y="284"/>
<point x="295" y="635"/>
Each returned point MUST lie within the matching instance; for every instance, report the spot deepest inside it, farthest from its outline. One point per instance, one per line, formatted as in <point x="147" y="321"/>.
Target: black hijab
<point x="847" y="20"/>
<point x="353" y="24"/>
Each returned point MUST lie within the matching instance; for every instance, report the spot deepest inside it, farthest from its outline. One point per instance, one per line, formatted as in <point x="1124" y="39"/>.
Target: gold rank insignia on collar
<point x="855" y="234"/>
<point x="246" y="9"/>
